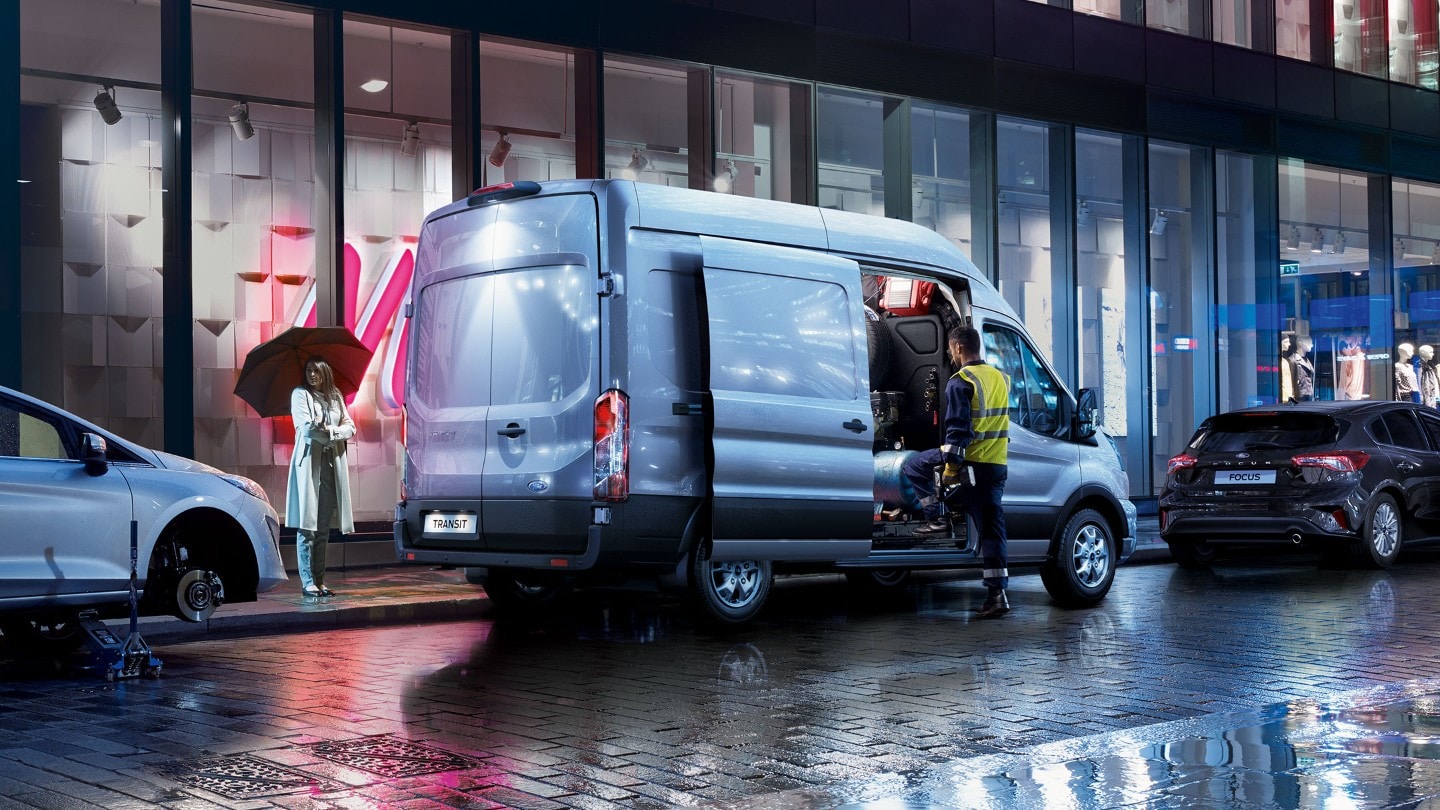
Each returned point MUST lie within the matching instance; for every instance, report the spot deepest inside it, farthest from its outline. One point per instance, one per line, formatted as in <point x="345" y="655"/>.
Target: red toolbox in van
<point x="906" y="296"/>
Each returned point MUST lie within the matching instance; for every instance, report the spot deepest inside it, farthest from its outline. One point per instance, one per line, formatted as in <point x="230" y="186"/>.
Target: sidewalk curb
<point x="291" y="618"/>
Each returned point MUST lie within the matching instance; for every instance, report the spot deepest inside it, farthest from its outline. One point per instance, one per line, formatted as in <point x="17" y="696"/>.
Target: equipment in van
<point x="614" y="381"/>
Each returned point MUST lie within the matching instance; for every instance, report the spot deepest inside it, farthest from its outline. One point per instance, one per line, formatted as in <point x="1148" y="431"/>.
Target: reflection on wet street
<point x="1268" y="685"/>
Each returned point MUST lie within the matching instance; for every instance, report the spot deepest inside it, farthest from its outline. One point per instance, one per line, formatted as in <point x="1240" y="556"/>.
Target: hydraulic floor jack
<point x="110" y="656"/>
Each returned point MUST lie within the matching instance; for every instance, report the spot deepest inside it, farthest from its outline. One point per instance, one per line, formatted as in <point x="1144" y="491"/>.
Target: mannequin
<point x="1429" y="377"/>
<point x="1304" y="369"/>
<point x="1287" y="370"/>
<point x="1351" y="384"/>
<point x="1406" y="385"/>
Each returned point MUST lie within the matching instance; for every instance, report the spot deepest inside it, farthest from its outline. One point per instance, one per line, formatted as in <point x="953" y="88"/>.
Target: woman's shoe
<point x="312" y="591"/>
<point x="324" y="591"/>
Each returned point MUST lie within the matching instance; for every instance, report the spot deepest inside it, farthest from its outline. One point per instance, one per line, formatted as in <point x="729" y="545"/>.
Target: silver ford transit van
<point x="610" y="380"/>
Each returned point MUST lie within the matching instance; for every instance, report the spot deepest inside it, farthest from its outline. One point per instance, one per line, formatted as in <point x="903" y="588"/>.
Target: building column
<point x="178" y="284"/>
<point x="329" y="167"/>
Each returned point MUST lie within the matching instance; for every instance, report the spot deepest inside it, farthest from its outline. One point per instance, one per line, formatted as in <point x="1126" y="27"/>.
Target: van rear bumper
<point x="406" y="551"/>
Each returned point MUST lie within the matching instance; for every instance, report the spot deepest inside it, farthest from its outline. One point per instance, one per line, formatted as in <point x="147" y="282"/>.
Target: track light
<point x="240" y="121"/>
<point x="1400" y="247"/>
<point x="1435" y="254"/>
<point x="1157" y="225"/>
<point x="1294" y="242"/>
<point x="1082" y="215"/>
<point x="410" y="139"/>
<point x="638" y="163"/>
<point x="500" y="152"/>
<point x="1317" y="242"/>
<point x="1339" y="242"/>
<point x="105" y="103"/>
<point x="725" y="180"/>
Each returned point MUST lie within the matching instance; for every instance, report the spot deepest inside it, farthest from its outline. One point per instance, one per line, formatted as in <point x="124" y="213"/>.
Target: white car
<point x="70" y="493"/>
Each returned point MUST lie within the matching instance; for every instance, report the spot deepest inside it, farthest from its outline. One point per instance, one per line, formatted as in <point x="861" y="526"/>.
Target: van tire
<point x="877" y="341"/>
<point x="516" y="592"/>
<point x="1083" y="567"/>
<point x="727" y="594"/>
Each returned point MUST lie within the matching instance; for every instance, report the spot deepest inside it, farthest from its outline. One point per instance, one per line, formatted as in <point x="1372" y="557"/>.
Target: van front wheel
<point x="1080" y="573"/>
<point x="729" y="593"/>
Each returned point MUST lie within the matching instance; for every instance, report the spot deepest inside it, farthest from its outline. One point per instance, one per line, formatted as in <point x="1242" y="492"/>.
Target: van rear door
<point x="789" y="382"/>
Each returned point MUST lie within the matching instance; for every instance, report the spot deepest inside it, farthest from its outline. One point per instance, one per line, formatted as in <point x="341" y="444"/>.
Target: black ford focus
<point x="1355" y="481"/>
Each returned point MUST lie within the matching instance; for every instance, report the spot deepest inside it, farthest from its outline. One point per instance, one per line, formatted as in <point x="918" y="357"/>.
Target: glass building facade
<point x="1192" y="206"/>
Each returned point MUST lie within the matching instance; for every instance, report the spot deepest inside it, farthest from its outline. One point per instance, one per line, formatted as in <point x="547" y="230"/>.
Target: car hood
<point x="170" y="461"/>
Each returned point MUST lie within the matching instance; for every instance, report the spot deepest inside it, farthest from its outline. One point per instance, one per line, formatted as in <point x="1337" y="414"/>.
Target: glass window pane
<point x="1413" y="45"/>
<point x="457" y="317"/>
<point x="547" y="318"/>
<point x="1104" y="274"/>
<point x="940" y="167"/>
<point x="1360" y="33"/>
<point x="1232" y="22"/>
<point x="1416" y="212"/>
<point x="1292" y="29"/>
<point x="762" y="138"/>
<point x="647" y="121"/>
<point x="1180" y="16"/>
<point x="1034" y="394"/>
<point x="1023" y="207"/>
<point x="527" y="95"/>
<point x="1101" y="8"/>
<point x="24" y="436"/>
<point x="91" y="233"/>
<point x="1247" y="317"/>
<point x="851" y="142"/>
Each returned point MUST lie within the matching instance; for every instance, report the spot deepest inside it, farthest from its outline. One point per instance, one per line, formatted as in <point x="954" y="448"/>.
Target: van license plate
<point x="1243" y="477"/>
<point x="451" y="524"/>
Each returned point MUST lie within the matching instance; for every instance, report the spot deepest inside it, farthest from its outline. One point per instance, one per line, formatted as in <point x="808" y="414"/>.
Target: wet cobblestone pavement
<point x="1267" y="685"/>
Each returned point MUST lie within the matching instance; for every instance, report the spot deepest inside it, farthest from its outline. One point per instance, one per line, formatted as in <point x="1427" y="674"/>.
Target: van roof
<point x="759" y="220"/>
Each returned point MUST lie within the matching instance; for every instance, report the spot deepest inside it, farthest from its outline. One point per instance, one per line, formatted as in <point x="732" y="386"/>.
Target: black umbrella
<point x="275" y="367"/>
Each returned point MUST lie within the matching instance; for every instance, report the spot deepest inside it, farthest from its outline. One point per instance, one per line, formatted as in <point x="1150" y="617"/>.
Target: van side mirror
<point x="1083" y="426"/>
<point x="93" y="452"/>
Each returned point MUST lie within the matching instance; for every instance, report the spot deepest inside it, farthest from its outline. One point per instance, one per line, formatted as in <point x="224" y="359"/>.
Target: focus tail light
<point x="1184" y="461"/>
<point x="1343" y="461"/>
<point x="612" y="446"/>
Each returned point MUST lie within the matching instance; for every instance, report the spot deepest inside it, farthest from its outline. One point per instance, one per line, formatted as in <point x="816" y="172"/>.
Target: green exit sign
<point x="1289" y="268"/>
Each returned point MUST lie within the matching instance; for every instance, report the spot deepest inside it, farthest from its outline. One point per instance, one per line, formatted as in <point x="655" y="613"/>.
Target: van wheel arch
<point x="726" y="595"/>
<point x="1082" y="568"/>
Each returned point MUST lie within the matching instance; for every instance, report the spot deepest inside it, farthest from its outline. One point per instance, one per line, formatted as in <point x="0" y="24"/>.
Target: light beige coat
<point x="314" y="430"/>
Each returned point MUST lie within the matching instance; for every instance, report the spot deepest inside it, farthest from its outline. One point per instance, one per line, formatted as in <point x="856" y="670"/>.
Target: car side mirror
<point x="1083" y="426"/>
<point x="94" y="453"/>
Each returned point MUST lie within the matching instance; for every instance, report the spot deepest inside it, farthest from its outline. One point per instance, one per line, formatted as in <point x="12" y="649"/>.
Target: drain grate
<point x="243" y="777"/>
<point x="391" y="757"/>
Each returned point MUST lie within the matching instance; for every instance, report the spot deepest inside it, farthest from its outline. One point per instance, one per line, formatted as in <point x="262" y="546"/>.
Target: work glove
<point x="952" y="475"/>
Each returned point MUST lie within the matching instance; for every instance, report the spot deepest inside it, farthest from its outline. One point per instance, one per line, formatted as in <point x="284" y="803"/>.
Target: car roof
<point x="1340" y="408"/>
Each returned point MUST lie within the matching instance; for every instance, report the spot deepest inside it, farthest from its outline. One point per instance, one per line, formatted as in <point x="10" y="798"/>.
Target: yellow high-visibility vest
<point x="989" y="414"/>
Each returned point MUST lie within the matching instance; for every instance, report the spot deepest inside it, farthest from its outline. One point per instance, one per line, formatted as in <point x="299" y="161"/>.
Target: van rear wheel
<point x="729" y="593"/>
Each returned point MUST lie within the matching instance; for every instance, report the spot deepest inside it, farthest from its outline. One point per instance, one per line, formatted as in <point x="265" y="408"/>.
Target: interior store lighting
<point x="1339" y="244"/>
<point x="1082" y="215"/>
<point x="410" y="139"/>
<point x="1157" y="225"/>
<point x="1400" y="247"/>
<point x="240" y="121"/>
<point x="1294" y="242"/>
<point x="725" y="180"/>
<point x="638" y="163"/>
<point x="1317" y="242"/>
<point x="500" y="152"/>
<point x="374" y="85"/>
<point x="105" y="103"/>
<point x="1435" y="254"/>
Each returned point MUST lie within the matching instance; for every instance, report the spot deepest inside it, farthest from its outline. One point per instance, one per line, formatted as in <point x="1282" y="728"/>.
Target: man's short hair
<point x="967" y="338"/>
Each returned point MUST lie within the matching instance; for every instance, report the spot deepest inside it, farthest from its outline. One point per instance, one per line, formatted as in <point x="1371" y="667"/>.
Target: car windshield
<point x="1240" y="432"/>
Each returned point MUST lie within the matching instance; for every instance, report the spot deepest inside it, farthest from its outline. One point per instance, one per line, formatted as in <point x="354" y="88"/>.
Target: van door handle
<point x="855" y="425"/>
<point x="687" y="409"/>
<point x="512" y="431"/>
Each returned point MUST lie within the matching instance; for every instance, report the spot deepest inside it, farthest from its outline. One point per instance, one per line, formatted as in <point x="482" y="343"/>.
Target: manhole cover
<point x="243" y="777"/>
<point x="390" y="757"/>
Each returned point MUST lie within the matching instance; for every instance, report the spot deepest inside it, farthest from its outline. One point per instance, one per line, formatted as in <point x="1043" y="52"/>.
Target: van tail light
<point x="1184" y="461"/>
<point x="1342" y="461"/>
<point x="612" y="446"/>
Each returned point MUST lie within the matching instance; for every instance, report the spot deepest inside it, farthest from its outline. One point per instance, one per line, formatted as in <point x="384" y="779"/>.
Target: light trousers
<point x="311" y="547"/>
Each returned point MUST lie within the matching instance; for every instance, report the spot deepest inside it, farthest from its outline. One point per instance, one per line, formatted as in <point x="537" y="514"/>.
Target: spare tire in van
<point x="877" y="339"/>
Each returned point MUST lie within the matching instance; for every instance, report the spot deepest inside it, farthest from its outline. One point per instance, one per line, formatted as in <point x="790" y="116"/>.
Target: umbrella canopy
<point x="275" y="367"/>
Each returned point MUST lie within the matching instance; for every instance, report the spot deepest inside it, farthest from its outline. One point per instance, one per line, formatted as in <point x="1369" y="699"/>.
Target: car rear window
<point x="1236" y="432"/>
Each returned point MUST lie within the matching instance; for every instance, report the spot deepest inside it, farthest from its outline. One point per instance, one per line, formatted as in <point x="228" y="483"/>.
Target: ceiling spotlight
<point x="374" y="85"/>
<point x="1157" y="225"/>
<point x="1339" y="242"/>
<point x="638" y="163"/>
<point x="1082" y="214"/>
<point x="725" y="180"/>
<point x="105" y="103"/>
<point x="240" y="121"/>
<point x="500" y="152"/>
<point x="1317" y="242"/>
<point x="410" y="139"/>
<point x="1400" y="247"/>
<point x="1294" y="242"/>
<point x="1435" y="254"/>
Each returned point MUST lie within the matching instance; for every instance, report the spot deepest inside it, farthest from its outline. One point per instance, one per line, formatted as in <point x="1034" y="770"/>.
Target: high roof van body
<point x="610" y="380"/>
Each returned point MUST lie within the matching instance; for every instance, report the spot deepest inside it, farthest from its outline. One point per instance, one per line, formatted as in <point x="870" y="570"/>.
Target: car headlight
<point x="246" y="485"/>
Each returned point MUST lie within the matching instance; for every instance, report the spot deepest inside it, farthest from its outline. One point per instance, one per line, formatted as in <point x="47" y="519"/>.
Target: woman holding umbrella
<point x="319" y="491"/>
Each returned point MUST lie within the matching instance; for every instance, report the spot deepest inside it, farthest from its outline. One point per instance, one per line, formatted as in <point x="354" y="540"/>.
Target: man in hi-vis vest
<point x="977" y="439"/>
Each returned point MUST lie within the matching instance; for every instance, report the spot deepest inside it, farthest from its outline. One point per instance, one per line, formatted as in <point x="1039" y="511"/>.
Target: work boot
<point x="996" y="605"/>
<point x="939" y="527"/>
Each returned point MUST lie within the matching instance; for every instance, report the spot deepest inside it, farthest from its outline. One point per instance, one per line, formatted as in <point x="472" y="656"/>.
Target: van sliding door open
<point x="791" y="435"/>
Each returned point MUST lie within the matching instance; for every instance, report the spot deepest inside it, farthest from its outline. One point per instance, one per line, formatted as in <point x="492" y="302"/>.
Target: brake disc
<point x="197" y="594"/>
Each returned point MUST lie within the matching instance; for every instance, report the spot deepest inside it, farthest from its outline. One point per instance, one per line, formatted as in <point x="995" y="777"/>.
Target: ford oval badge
<point x="537" y="486"/>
